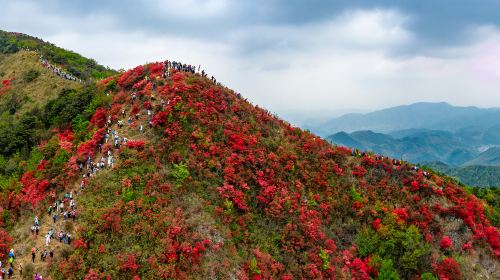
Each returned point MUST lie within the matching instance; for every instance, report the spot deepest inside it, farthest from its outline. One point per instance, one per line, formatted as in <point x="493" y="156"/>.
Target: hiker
<point x="80" y="167"/>
<point x="33" y="254"/>
<point x="123" y="113"/>
<point x="37" y="229"/>
<point x="47" y="239"/>
<point x="33" y="231"/>
<point x="11" y="257"/>
<point x="55" y="217"/>
<point x="10" y="272"/>
<point x="69" y="238"/>
<point x="50" y="209"/>
<point x="140" y="128"/>
<point x="36" y="221"/>
<point x="43" y="255"/>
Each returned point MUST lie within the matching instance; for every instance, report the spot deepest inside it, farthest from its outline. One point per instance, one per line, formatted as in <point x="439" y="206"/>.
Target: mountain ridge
<point x="441" y="116"/>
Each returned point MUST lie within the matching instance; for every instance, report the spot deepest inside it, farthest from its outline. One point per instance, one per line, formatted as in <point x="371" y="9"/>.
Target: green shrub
<point x="30" y="76"/>
<point x="428" y="276"/>
<point x="180" y="172"/>
<point x="403" y="246"/>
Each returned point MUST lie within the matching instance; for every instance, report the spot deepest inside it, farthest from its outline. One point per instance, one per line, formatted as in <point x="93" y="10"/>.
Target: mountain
<point x="490" y="157"/>
<point x="209" y="186"/>
<point x="471" y="175"/>
<point x="433" y="116"/>
<point x="421" y="146"/>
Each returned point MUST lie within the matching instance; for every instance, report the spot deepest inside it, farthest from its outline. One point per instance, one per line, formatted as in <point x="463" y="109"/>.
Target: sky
<point x="303" y="60"/>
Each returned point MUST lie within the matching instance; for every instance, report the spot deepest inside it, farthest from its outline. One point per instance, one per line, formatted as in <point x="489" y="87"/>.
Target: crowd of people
<point x="58" y="71"/>
<point x="168" y="66"/>
<point x="10" y="270"/>
<point x="396" y="163"/>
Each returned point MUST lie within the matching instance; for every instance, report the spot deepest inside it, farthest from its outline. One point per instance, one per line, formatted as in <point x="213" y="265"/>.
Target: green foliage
<point x="403" y="246"/>
<point x="473" y="175"/>
<point x="61" y="159"/>
<point x="387" y="271"/>
<point x="35" y="157"/>
<point x="30" y="76"/>
<point x="180" y="172"/>
<point x="355" y="195"/>
<point x="428" y="276"/>
<point x="323" y="255"/>
<point x="253" y="266"/>
<point x="69" y="104"/>
<point x="20" y="135"/>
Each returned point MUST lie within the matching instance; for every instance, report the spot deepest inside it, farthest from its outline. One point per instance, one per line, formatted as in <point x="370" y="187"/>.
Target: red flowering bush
<point x="449" y="269"/>
<point x="5" y="242"/>
<point x="446" y="243"/>
<point x="136" y="144"/>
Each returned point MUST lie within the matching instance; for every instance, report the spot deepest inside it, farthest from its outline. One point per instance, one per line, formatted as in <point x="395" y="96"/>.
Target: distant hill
<point x="472" y="175"/>
<point x="422" y="146"/>
<point x="434" y="116"/>
<point x="490" y="157"/>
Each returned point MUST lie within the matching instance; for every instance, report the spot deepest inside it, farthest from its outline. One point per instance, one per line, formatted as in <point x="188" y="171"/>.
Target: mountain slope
<point x="471" y="175"/>
<point x="30" y="84"/>
<point x="415" y="146"/>
<point x="490" y="157"/>
<point x="81" y="67"/>
<point x="213" y="187"/>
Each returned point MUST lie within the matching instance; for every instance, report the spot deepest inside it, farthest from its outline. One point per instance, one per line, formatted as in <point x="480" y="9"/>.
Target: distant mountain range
<point x="433" y="116"/>
<point x="454" y="140"/>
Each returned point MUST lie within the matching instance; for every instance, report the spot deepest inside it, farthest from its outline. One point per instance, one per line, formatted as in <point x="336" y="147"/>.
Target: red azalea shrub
<point x="377" y="223"/>
<point x="401" y="214"/>
<point x="449" y="269"/>
<point x="99" y="118"/>
<point x="446" y="243"/>
<point x="136" y="144"/>
<point x="5" y="242"/>
<point x="80" y="244"/>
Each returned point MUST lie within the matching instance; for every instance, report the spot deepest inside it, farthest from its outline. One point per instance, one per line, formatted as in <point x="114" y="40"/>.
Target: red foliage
<point x="92" y="275"/>
<point x="377" y="223"/>
<point x="80" y="244"/>
<point x="401" y="214"/>
<point x="5" y="241"/>
<point x="236" y="196"/>
<point x="136" y="144"/>
<point x="446" y="242"/>
<point x="449" y="269"/>
<point x="129" y="263"/>
<point x="99" y="118"/>
<point x="33" y="191"/>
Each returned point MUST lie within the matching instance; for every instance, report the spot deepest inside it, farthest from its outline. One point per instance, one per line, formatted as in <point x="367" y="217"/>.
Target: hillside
<point x="488" y="157"/>
<point x="417" y="146"/>
<point x="31" y="85"/>
<point x="77" y="65"/>
<point x="209" y="186"/>
<point x="471" y="175"/>
<point x="433" y="116"/>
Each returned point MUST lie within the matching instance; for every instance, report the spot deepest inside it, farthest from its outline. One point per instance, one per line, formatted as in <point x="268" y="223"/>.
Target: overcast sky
<point x="295" y="58"/>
